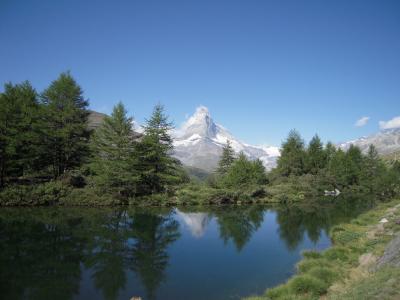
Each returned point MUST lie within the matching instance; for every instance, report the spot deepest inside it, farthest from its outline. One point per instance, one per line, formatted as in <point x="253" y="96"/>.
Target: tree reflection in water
<point x="46" y="253"/>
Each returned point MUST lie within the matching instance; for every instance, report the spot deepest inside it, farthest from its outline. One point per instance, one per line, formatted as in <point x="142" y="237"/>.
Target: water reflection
<point x="238" y="225"/>
<point x="48" y="253"/>
<point x="152" y="235"/>
<point x="196" y="222"/>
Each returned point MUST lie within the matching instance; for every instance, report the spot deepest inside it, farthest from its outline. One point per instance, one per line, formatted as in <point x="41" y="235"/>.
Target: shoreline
<point x="350" y="265"/>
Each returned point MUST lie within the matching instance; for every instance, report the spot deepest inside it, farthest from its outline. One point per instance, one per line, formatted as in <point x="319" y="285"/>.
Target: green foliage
<point x="243" y="173"/>
<point x="315" y="156"/>
<point x="307" y="284"/>
<point x="292" y="159"/>
<point x="158" y="171"/>
<point x="226" y="160"/>
<point x="47" y="193"/>
<point x="113" y="147"/>
<point x="19" y="133"/>
<point x="384" y="284"/>
<point x="65" y="131"/>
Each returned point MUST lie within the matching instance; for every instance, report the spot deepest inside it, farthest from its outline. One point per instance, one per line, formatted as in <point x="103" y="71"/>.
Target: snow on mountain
<point x="386" y="141"/>
<point x="199" y="142"/>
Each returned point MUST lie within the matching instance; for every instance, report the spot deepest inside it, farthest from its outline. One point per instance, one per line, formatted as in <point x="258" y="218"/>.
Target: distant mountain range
<point x="198" y="143"/>
<point x="386" y="142"/>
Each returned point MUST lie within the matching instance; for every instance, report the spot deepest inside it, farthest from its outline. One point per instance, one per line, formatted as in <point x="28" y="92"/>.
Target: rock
<point x="391" y="255"/>
<point x="384" y="220"/>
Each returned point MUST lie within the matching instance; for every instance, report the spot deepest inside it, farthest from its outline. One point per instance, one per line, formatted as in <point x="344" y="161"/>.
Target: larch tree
<point x="66" y="133"/>
<point x="113" y="147"/>
<point x="227" y="158"/>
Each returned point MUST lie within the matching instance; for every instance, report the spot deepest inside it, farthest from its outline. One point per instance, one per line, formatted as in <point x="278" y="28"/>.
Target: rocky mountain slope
<point x="386" y="142"/>
<point x="199" y="142"/>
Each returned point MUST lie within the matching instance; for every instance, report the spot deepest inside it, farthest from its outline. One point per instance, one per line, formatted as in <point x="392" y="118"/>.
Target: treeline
<point x="332" y="167"/>
<point x="44" y="137"/>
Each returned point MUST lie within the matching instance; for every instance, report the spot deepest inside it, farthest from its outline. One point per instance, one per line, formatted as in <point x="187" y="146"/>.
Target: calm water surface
<point x="181" y="253"/>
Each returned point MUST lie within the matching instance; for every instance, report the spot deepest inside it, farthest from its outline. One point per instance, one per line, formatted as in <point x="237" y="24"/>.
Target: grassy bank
<point x="348" y="270"/>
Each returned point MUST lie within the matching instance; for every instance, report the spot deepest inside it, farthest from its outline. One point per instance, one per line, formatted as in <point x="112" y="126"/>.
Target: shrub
<point x="306" y="265"/>
<point x="311" y="254"/>
<point x="327" y="275"/>
<point x="307" y="284"/>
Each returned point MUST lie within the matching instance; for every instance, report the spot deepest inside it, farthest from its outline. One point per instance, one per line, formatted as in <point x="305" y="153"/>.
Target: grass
<point x="384" y="284"/>
<point x="340" y="272"/>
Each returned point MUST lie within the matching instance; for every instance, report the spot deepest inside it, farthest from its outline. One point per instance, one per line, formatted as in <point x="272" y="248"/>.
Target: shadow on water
<point x="80" y="253"/>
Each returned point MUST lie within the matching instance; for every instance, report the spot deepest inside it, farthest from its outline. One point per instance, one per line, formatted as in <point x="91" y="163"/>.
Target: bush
<point x="74" y="178"/>
<point x="307" y="284"/>
<point x="306" y="265"/>
<point x="311" y="254"/>
<point x="29" y="195"/>
<point x="327" y="275"/>
<point x="279" y="292"/>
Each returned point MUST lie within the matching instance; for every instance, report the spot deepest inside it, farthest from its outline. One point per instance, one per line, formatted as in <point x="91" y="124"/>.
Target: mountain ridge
<point x="386" y="141"/>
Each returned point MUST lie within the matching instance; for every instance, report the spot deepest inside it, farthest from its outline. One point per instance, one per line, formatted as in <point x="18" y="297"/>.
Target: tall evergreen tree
<point x="337" y="168"/>
<point x="316" y="156"/>
<point x="330" y="150"/>
<point x="372" y="170"/>
<point x="354" y="164"/>
<point x="113" y="147"/>
<point x="157" y="168"/>
<point x="18" y="130"/>
<point x="227" y="158"/>
<point x="66" y="133"/>
<point x="291" y="161"/>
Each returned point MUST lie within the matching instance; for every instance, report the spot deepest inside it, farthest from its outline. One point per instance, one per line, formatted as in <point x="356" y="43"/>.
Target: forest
<point x="50" y="155"/>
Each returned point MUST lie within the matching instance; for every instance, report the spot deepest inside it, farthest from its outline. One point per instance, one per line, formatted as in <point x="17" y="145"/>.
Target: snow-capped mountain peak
<point x="200" y="123"/>
<point x="200" y="140"/>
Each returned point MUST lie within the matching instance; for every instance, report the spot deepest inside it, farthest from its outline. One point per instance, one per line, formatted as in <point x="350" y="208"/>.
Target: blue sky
<point x="261" y="67"/>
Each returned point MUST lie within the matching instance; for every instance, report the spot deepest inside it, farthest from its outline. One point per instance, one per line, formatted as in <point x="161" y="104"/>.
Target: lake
<point x="161" y="253"/>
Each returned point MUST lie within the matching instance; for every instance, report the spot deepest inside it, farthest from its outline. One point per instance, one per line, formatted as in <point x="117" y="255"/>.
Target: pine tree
<point x="330" y="150"/>
<point x="354" y="165"/>
<point x="316" y="156"/>
<point x="291" y="161"/>
<point x="158" y="170"/>
<point x="66" y="134"/>
<point x="372" y="170"/>
<point x="18" y="130"/>
<point x="113" y="146"/>
<point x="337" y="169"/>
<point x="227" y="158"/>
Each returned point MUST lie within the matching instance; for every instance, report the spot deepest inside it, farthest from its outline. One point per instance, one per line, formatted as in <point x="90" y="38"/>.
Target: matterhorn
<point x="199" y="142"/>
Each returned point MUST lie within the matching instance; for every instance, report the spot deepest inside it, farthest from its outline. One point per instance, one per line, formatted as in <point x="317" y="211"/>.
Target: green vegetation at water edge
<point x="348" y="269"/>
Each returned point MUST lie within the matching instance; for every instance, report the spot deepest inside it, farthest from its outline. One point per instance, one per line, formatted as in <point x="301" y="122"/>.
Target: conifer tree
<point x="66" y="134"/>
<point x="354" y="165"/>
<point x="244" y="172"/>
<point x="227" y="158"/>
<point x="113" y="148"/>
<point x="157" y="168"/>
<point x="291" y="161"/>
<point x="330" y="150"/>
<point x="372" y="170"/>
<point x="337" y="168"/>
<point x="316" y="156"/>
<point x="18" y="130"/>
